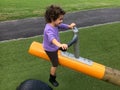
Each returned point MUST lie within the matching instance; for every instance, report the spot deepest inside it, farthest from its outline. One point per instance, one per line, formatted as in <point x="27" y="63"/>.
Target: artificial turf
<point x="100" y="44"/>
<point x="17" y="9"/>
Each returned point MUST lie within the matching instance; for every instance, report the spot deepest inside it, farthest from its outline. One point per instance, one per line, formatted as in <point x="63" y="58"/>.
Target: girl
<point x="51" y="42"/>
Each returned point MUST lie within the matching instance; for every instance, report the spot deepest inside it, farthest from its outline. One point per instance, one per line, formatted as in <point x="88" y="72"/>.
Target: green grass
<point x="17" y="9"/>
<point x="100" y="44"/>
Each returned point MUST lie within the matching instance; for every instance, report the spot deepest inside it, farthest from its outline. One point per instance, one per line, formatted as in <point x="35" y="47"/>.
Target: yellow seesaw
<point x="79" y="64"/>
<point x="87" y="67"/>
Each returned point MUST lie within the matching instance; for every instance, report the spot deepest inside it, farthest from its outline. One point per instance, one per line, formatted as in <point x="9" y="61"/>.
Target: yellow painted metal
<point x="95" y="70"/>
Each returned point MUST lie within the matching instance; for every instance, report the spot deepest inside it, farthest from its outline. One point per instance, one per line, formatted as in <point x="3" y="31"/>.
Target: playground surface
<point x="29" y="27"/>
<point x="17" y="65"/>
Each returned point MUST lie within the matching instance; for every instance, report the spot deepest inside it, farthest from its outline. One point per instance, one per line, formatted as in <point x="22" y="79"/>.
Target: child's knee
<point x="55" y="65"/>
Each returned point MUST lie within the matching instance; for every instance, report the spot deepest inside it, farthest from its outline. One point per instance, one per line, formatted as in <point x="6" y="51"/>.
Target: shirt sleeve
<point x="50" y="35"/>
<point x="63" y="26"/>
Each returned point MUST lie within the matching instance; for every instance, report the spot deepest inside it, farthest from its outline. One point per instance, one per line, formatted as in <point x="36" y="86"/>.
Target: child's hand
<point x="64" y="46"/>
<point x="72" y="25"/>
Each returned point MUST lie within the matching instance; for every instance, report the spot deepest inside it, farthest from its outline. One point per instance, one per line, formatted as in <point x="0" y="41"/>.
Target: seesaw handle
<point x="74" y="39"/>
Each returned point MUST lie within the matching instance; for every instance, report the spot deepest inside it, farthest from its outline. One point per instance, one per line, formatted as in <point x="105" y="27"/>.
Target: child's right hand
<point x="64" y="46"/>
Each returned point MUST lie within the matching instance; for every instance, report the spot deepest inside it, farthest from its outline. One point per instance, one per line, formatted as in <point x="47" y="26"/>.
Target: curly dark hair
<point x="53" y="12"/>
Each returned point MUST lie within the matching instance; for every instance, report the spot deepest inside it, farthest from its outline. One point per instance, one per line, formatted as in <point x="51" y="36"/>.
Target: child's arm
<point x="63" y="46"/>
<point x="72" y="25"/>
<point x="66" y="26"/>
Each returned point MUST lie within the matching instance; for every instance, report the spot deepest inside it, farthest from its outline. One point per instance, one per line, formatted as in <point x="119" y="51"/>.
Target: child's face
<point x="59" y="20"/>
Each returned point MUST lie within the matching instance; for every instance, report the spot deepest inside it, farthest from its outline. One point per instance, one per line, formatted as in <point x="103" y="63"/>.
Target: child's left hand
<point x="72" y="25"/>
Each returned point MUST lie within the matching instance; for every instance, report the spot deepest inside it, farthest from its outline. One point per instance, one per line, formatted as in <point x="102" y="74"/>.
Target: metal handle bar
<point x="74" y="39"/>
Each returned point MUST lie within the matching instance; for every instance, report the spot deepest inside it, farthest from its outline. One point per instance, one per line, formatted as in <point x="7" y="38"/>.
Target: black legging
<point x="53" y="57"/>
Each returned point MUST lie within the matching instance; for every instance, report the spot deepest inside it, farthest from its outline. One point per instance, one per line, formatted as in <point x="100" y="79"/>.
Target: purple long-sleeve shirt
<point x="51" y="33"/>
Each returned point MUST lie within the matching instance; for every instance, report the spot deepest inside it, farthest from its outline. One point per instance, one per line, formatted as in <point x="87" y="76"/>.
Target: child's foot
<point x="54" y="82"/>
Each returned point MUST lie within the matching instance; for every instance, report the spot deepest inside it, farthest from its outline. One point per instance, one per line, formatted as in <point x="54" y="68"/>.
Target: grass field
<point x="17" y="9"/>
<point x="100" y="44"/>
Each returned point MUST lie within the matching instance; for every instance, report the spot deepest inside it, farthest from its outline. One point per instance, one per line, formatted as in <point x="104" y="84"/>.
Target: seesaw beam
<point x="80" y="64"/>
